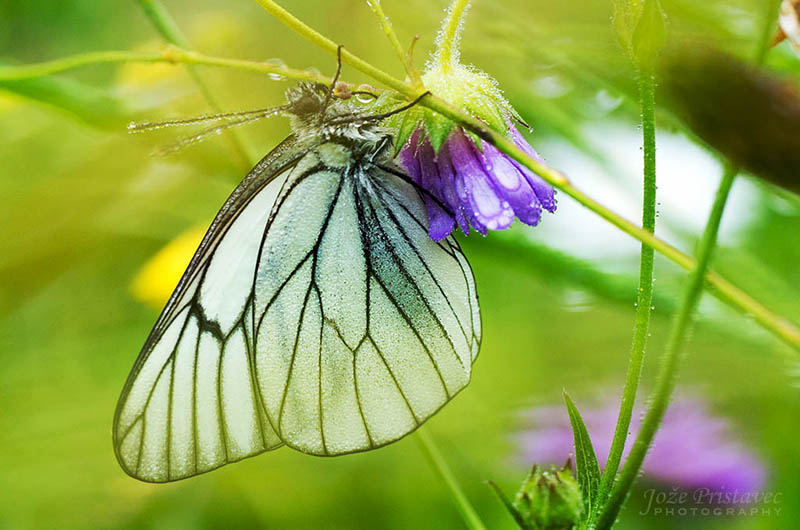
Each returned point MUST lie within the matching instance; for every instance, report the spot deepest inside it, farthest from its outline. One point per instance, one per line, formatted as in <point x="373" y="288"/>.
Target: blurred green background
<point x="83" y="206"/>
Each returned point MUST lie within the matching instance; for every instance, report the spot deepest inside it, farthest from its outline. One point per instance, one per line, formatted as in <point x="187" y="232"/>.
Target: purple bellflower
<point x="475" y="186"/>
<point x="467" y="182"/>
<point x="693" y="449"/>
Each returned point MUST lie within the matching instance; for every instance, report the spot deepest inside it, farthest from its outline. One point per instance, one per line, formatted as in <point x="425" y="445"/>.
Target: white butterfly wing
<point x="364" y="327"/>
<point x="317" y="312"/>
<point x="190" y="403"/>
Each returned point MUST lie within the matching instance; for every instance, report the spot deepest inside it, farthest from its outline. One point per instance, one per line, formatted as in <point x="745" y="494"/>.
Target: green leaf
<point x="94" y="106"/>
<point x="408" y="123"/>
<point x="438" y="128"/>
<point x="475" y="139"/>
<point x="586" y="466"/>
<point x="487" y="111"/>
<point x="521" y="522"/>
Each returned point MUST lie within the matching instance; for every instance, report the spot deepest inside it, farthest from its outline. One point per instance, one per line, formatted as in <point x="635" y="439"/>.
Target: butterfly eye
<point x="306" y="105"/>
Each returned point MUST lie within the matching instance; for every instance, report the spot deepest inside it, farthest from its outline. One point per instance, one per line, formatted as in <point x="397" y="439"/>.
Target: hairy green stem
<point x="325" y="43"/>
<point x="666" y="381"/>
<point x="447" y="51"/>
<point x="672" y="356"/>
<point x="171" y="54"/>
<point x="32" y="71"/>
<point x="439" y="464"/>
<point x="405" y="58"/>
<point x="644" y="298"/>
<point x="169" y="30"/>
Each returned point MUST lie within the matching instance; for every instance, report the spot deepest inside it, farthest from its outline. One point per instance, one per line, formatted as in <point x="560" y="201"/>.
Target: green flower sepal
<point x="549" y="499"/>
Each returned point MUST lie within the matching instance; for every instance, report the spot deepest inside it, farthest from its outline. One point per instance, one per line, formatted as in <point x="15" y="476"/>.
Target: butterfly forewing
<point x="190" y="404"/>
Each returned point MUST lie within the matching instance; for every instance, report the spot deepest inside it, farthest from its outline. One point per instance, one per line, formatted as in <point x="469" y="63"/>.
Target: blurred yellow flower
<point x="157" y="278"/>
<point x="8" y="101"/>
<point x="135" y="77"/>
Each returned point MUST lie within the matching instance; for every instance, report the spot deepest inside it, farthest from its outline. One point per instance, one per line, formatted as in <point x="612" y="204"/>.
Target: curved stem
<point x="386" y="25"/>
<point x="31" y="71"/>
<point x="447" y="40"/>
<point x="666" y="381"/>
<point x="669" y="369"/>
<point x="169" y="30"/>
<point x="170" y="54"/>
<point x="439" y="465"/>
<point x="325" y="43"/>
<point x="645" y="294"/>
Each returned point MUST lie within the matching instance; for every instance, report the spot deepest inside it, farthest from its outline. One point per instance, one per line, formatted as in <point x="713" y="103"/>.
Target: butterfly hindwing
<point x="364" y="326"/>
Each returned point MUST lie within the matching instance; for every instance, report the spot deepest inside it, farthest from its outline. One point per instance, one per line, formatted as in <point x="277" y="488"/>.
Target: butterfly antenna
<point x="379" y="117"/>
<point x="332" y="88"/>
<point x="373" y="95"/>
<point x="384" y="115"/>
<point x="147" y="126"/>
<point x="244" y="118"/>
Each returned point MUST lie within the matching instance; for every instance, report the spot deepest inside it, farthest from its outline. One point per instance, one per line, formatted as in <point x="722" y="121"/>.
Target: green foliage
<point x="585" y="461"/>
<point x="437" y="128"/>
<point x="648" y="36"/>
<point x="548" y="499"/>
<point x="95" y="106"/>
<point x="521" y="521"/>
<point x="640" y="29"/>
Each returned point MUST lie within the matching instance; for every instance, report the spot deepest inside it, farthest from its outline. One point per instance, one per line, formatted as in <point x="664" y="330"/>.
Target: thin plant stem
<point x="644" y="297"/>
<point x="448" y="38"/>
<point x="169" y="30"/>
<point x="439" y="465"/>
<point x="672" y="356"/>
<point x="405" y="58"/>
<point x="770" y="20"/>
<point x="713" y="225"/>
<point x="325" y="43"/>
<point x="724" y="290"/>
<point x="170" y="54"/>
<point x="45" y="68"/>
<point x="691" y="298"/>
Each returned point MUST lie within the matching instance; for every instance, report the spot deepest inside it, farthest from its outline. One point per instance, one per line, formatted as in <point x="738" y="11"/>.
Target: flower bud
<point x="550" y="499"/>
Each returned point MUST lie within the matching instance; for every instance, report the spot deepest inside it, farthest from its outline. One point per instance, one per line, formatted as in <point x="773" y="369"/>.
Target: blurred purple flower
<point x="475" y="186"/>
<point x="692" y="450"/>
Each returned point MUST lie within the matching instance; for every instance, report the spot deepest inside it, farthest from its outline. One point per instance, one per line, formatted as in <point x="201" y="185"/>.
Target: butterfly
<point x="316" y="312"/>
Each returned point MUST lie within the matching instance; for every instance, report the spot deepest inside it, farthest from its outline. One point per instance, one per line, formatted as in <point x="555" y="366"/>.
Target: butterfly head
<point x="306" y="100"/>
<point x="315" y="110"/>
